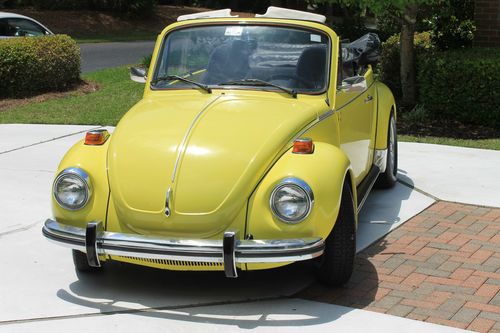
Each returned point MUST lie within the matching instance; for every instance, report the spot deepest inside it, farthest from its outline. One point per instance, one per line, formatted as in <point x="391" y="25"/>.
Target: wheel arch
<point x="349" y="179"/>
<point x="386" y="105"/>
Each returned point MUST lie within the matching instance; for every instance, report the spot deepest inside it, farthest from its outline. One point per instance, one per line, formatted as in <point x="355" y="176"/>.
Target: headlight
<point x="72" y="188"/>
<point x="291" y="201"/>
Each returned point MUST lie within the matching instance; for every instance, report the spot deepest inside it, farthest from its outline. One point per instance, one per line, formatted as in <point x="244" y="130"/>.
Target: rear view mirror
<point x="138" y="74"/>
<point x="354" y="84"/>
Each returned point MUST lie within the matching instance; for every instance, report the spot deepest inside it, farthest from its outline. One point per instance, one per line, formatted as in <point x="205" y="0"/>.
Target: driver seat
<point x="311" y="66"/>
<point x="229" y="61"/>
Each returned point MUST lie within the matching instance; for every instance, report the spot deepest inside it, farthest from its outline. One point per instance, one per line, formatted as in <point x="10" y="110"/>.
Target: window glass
<point x="215" y="55"/>
<point x="21" y="27"/>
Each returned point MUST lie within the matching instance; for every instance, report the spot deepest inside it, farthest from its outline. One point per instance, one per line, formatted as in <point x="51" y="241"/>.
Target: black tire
<point x="335" y="266"/>
<point x="82" y="264"/>
<point x="388" y="178"/>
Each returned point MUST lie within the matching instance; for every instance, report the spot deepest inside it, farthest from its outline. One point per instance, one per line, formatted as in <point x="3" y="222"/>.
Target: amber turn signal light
<point x="96" y="137"/>
<point x="303" y="146"/>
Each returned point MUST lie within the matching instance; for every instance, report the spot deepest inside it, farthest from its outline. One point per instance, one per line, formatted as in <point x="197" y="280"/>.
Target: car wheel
<point x="388" y="178"/>
<point x="82" y="264"/>
<point x="335" y="266"/>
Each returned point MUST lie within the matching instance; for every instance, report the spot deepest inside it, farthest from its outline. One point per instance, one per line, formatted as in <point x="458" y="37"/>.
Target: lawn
<point x="116" y="95"/>
<point x="485" y="144"/>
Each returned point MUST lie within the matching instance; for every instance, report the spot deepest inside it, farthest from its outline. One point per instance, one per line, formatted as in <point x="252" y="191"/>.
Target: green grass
<point x="116" y="95"/>
<point x="127" y="36"/>
<point x="485" y="144"/>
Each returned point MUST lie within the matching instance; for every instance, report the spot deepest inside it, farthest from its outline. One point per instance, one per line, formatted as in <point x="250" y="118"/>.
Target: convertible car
<point x="254" y="146"/>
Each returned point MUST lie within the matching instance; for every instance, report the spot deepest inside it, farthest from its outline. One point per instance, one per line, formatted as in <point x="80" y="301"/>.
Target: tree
<point x="405" y="11"/>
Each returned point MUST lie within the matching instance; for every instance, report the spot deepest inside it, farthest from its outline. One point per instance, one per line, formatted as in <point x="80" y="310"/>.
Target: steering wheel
<point x="305" y="83"/>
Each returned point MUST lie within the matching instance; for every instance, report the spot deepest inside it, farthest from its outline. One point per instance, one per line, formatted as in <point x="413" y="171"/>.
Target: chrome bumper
<point x="229" y="251"/>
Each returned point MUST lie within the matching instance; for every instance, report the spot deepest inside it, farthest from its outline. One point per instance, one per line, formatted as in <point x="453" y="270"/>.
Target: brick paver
<point x="442" y="266"/>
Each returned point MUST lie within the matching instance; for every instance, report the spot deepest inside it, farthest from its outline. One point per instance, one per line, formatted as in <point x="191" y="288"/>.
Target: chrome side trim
<point x="354" y="98"/>
<point x="325" y="115"/>
<point x="198" y="250"/>
<point x="380" y="159"/>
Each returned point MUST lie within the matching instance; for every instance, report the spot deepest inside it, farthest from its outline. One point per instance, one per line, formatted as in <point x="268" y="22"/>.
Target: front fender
<point x="92" y="159"/>
<point x="386" y="104"/>
<point x="324" y="171"/>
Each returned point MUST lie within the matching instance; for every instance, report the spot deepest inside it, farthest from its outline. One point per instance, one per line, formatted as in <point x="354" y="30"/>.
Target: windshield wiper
<point x="180" y="78"/>
<point x="257" y="82"/>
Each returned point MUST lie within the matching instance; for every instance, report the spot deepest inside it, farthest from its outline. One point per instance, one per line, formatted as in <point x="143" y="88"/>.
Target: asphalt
<point x="41" y="292"/>
<point x="97" y="56"/>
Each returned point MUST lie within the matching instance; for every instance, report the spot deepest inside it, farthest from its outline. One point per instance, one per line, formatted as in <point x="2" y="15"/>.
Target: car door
<point x="356" y="109"/>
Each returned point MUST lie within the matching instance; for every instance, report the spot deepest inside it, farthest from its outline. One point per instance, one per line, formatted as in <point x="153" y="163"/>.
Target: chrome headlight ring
<point x="80" y="181"/>
<point x="301" y="191"/>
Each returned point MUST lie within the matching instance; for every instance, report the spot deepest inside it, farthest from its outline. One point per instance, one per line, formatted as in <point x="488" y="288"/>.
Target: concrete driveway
<point x="41" y="292"/>
<point x="97" y="56"/>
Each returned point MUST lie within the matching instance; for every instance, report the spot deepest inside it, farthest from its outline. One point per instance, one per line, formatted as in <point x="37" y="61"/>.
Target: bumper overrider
<point x="95" y="242"/>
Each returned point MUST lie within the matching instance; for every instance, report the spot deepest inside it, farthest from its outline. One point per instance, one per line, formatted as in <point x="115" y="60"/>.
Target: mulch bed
<point x="447" y="128"/>
<point x="84" y="87"/>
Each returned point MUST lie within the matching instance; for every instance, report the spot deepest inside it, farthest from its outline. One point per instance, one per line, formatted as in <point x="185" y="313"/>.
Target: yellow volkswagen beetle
<point x="255" y="145"/>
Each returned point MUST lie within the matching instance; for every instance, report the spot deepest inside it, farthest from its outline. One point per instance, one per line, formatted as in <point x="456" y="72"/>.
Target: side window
<point x="23" y="27"/>
<point x="6" y="29"/>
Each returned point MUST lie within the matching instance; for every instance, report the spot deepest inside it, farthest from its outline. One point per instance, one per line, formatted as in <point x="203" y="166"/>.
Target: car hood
<point x="210" y="151"/>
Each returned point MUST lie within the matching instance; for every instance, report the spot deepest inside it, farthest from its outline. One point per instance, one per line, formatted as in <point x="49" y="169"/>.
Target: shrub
<point x="452" y="25"/>
<point x="461" y="84"/>
<point x="34" y="65"/>
<point x="390" y="64"/>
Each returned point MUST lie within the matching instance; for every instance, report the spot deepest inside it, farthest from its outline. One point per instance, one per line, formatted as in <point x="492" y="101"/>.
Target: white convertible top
<point x="278" y="12"/>
<point x="210" y="14"/>
<point x="272" y="12"/>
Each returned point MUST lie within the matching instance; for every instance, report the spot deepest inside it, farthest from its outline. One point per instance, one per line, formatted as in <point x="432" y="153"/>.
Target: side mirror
<point x="354" y="84"/>
<point x="138" y="74"/>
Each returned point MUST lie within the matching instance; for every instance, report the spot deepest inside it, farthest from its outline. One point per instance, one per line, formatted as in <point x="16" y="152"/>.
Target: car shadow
<point x="385" y="210"/>
<point x="198" y="297"/>
<point x="149" y="292"/>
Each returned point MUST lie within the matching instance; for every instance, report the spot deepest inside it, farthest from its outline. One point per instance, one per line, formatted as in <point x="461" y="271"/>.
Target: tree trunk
<point x="408" y="85"/>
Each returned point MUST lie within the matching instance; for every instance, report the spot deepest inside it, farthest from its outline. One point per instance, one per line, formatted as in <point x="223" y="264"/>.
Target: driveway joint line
<point x="413" y="187"/>
<point x="20" y="229"/>
<point x="49" y="140"/>
<point x="141" y="310"/>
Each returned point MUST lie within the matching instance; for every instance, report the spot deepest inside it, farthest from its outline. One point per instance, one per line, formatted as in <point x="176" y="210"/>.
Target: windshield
<point x="239" y="55"/>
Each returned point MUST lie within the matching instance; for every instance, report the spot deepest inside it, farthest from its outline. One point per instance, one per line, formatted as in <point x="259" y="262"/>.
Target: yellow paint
<point x="238" y="149"/>
<point x="92" y="159"/>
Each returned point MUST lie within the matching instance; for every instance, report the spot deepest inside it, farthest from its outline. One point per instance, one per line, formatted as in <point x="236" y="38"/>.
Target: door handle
<point x="368" y="98"/>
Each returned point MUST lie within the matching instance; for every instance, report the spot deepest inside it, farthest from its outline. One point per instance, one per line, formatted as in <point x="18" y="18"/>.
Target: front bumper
<point x="94" y="241"/>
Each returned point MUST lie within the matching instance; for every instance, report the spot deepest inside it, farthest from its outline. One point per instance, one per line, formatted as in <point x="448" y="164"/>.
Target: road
<point x="97" y="56"/>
